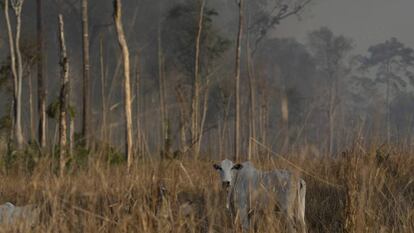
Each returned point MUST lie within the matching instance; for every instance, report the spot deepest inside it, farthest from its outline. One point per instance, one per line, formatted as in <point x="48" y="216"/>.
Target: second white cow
<point x="13" y="215"/>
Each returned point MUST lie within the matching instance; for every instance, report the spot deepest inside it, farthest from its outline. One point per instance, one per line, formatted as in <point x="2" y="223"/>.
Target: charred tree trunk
<point x="41" y="91"/>
<point x="86" y="76"/>
<point x="63" y="98"/>
<point x="237" y="84"/>
<point x="127" y="86"/>
<point x="16" y="67"/>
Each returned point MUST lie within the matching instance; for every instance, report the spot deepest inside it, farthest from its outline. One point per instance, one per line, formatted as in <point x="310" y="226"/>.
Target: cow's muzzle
<point x="225" y="184"/>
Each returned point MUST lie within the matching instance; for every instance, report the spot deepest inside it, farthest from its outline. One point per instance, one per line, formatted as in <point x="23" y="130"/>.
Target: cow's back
<point x="283" y="184"/>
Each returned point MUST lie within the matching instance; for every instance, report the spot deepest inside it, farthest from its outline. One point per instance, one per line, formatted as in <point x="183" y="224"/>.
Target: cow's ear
<point x="216" y="166"/>
<point x="237" y="166"/>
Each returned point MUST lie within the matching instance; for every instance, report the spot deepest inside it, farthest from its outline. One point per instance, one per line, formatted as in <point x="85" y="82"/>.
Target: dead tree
<point x="63" y="98"/>
<point x="86" y="76"/>
<point x="237" y="84"/>
<point x="104" y="135"/>
<point x="203" y="116"/>
<point x="16" y="67"/>
<point x="139" y="147"/>
<point x="196" y="86"/>
<point x="252" y="95"/>
<point x="71" y="115"/>
<point x="161" y="91"/>
<point x="184" y="117"/>
<point x="28" y="65"/>
<point x="41" y="92"/>
<point x="127" y="86"/>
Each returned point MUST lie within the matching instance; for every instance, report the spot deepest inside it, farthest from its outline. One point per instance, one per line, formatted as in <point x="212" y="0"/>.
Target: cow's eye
<point x="237" y="166"/>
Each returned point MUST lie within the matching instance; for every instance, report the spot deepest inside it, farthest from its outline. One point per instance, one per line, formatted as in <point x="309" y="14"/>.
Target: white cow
<point x="250" y="190"/>
<point x="12" y="215"/>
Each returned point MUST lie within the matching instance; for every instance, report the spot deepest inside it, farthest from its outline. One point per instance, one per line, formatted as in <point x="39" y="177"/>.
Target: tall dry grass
<point x="359" y="191"/>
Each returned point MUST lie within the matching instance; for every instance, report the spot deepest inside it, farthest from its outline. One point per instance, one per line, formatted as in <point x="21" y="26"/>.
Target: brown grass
<point x="378" y="197"/>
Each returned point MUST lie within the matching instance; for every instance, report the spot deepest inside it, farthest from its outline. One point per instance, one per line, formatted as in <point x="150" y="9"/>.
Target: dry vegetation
<point x="370" y="192"/>
<point x="284" y="96"/>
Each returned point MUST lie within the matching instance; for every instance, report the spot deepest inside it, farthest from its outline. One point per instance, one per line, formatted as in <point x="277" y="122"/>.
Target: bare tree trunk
<point x="163" y="109"/>
<point x="387" y="100"/>
<point x="31" y="108"/>
<point x="224" y="127"/>
<point x="261" y="122"/>
<point x="237" y="84"/>
<point x="252" y="92"/>
<point x="17" y="69"/>
<point x="127" y="83"/>
<point x="71" y="115"/>
<point x="14" y="71"/>
<point x="19" y="133"/>
<point x="252" y="88"/>
<point x="41" y="93"/>
<point x="220" y="139"/>
<point x="184" y="118"/>
<point x="10" y="137"/>
<point x="86" y="76"/>
<point x="263" y="116"/>
<point x="266" y="118"/>
<point x="63" y="99"/>
<point x="138" y="105"/>
<point x="71" y="135"/>
<point x="104" y="135"/>
<point x="196" y="85"/>
<point x="203" y="117"/>
<point x="331" y="125"/>
<point x="332" y="110"/>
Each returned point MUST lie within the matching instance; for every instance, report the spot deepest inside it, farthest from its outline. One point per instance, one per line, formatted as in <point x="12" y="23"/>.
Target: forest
<point x="112" y="114"/>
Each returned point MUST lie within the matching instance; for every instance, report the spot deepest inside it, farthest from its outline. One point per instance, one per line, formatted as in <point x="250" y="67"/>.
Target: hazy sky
<point x="367" y="21"/>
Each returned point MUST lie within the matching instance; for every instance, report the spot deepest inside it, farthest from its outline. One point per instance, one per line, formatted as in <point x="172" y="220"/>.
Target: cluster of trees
<point x="196" y="82"/>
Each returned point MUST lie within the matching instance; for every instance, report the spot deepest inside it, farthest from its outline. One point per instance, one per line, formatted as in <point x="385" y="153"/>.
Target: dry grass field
<point x="369" y="191"/>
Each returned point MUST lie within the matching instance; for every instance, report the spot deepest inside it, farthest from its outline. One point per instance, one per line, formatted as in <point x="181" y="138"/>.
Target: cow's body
<point x="252" y="191"/>
<point x="11" y="214"/>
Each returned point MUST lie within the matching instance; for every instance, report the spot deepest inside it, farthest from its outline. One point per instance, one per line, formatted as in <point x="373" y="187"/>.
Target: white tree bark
<point x="16" y="67"/>
<point x="195" y="113"/>
<point x="127" y="86"/>
<point x="63" y="99"/>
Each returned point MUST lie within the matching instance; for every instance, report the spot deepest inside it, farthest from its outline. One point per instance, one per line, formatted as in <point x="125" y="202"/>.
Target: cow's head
<point x="227" y="170"/>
